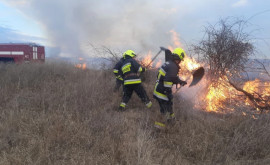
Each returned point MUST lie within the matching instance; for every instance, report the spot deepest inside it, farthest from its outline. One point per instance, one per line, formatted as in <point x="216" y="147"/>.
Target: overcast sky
<point x="142" y="25"/>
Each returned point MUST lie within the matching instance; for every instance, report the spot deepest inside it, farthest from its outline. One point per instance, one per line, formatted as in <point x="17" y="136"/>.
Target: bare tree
<point x="225" y="47"/>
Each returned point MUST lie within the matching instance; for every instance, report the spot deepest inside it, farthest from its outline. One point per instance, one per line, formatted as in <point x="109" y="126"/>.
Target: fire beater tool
<point x="197" y="76"/>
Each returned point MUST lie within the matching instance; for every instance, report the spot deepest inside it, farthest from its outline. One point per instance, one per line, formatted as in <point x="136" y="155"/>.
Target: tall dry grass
<point x="58" y="114"/>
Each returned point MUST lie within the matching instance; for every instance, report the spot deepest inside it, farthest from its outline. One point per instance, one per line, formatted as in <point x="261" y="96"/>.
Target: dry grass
<point x="57" y="114"/>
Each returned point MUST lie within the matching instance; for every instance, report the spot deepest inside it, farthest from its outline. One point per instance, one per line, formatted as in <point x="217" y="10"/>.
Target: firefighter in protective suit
<point x="118" y="74"/>
<point x="132" y="82"/>
<point x="167" y="76"/>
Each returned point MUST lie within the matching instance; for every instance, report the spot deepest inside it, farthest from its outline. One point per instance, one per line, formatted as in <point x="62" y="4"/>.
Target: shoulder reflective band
<point x="126" y="67"/>
<point x="162" y="72"/>
<point x="168" y="84"/>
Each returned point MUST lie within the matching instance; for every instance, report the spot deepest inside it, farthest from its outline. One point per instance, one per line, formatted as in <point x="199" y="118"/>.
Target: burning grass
<point x="59" y="114"/>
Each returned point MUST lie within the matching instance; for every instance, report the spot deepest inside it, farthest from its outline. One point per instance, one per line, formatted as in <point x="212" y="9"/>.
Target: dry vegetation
<point x="58" y="114"/>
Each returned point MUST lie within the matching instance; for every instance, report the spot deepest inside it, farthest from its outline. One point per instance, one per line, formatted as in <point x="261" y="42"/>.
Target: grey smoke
<point x="141" y="25"/>
<point x="73" y="25"/>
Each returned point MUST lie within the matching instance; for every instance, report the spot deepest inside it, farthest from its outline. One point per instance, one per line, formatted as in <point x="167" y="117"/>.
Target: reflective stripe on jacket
<point x="167" y="76"/>
<point x="130" y="68"/>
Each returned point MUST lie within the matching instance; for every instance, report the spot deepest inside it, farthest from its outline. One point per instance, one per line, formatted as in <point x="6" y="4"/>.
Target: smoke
<point x="73" y="25"/>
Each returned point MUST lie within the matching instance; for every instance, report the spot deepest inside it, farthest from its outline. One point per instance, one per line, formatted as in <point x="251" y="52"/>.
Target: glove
<point x="183" y="83"/>
<point x="162" y="48"/>
<point x="144" y="69"/>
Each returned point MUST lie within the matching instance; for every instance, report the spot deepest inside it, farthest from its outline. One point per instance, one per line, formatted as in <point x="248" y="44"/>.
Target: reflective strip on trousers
<point x="123" y="105"/>
<point x="132" y="81"/>
<point x="149" y="104"/>
<point x="159" y="124"/>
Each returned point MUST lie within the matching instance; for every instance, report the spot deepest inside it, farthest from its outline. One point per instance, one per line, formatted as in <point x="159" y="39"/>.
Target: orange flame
<point x="255" y="87"/>
<point x="175" y="38"/>
<point x="147" y="59"/>
<point x="81" y="65"/>
<point x="190" y="63"/>
<point x="218" y="93"/>
<point x="158" y="64"/>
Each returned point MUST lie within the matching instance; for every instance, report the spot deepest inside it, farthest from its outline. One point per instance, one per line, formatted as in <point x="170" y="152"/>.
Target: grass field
<point x="58" y="114"/>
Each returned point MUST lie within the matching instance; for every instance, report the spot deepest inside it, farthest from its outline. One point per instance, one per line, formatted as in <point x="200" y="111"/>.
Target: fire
<point x="218" y="93"/>
<point x="219" y="96"/>
<point x="258" y="87"/>
<point x="221" y="93"/>
<point x="147" y="59"/>
<point x="175" y="39"/>
<point x="81" y="65"/>
<point x="158" y="64"/>
<point x="190" y="64"/>
<point x="266" y="91"/>
<point x="252" y="86"/>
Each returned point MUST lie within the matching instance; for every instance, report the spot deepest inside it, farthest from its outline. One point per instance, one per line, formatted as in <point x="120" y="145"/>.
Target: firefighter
<point x="118" y="74"/>
<point x="167" y="76"/>
<point x="132" y="82"/>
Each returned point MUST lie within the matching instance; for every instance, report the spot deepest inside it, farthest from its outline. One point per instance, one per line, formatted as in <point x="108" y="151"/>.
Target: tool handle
<point x="154" y="58"/>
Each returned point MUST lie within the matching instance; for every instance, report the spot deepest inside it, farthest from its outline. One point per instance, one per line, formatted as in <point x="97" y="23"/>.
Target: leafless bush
<point x="108" y="54"/>
<point x="225" y="47"/>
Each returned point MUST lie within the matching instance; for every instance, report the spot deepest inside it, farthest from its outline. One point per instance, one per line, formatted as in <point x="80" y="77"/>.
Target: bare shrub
<point x="226" y="47"/>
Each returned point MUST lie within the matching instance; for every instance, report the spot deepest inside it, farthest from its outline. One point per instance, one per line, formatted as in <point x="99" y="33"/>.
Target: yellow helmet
<point x="178" y="54"/>
<point x="130" y="53"/>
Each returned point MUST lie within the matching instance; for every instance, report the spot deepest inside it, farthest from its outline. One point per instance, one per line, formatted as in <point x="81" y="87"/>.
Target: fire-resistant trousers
<point x="138" y="88"/>
<point x="165" y="106"/>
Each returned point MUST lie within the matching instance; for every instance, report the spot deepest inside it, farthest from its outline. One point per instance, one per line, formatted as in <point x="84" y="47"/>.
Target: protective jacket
<point x="117" y="69"/>
<point x="130" y="69"/>
<point x="167" y="76"/>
